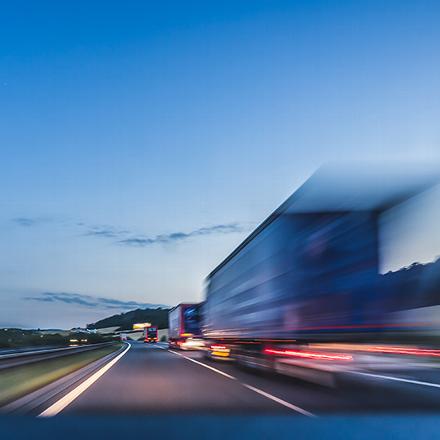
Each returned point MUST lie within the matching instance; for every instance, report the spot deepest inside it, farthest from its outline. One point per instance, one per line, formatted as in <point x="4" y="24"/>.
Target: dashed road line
<point x="250" y="387"/>
<point x="204" y="365"/>
<point x="280" y="401"/>
<point x="400" y="379"/>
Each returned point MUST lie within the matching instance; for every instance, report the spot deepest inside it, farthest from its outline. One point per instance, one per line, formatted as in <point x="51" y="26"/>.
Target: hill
<point x="126" y="320"/>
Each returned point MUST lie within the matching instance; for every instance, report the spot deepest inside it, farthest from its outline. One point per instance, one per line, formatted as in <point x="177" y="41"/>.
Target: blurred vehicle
<point x="150" y="334"/>
<point x="309" y="277"/>
<point x="191" y="343"/>
<point x="184" y="327"/>
<point x="77" y="341"/>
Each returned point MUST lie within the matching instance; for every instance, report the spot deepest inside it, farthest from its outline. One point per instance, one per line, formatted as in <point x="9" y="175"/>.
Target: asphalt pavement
<point x="150" y="379"/>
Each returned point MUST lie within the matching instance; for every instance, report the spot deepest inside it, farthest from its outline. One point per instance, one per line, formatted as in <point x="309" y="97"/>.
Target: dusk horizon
<point x="141" y="143"/>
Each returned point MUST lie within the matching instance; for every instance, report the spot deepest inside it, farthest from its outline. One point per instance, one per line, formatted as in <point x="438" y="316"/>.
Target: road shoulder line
<point x="40" y="398"/>
<point x="66" y="400"/>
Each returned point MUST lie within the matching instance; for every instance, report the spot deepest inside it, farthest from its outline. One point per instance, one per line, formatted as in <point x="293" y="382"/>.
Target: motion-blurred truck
<point x="311" y="276"/>
<point x="184" y="327"/>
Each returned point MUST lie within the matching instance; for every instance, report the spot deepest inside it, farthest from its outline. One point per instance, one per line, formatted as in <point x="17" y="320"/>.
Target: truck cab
<point x="150" y="335"/>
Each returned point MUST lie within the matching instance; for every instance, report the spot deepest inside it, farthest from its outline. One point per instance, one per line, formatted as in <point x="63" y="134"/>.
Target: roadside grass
<point x="18" y="381"/>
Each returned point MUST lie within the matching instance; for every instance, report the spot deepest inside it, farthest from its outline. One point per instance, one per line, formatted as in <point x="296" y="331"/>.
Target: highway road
<point x="150" y="379"/>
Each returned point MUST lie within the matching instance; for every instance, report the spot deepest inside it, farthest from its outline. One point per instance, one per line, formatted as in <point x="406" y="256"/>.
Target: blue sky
<point x="141" y="141"/>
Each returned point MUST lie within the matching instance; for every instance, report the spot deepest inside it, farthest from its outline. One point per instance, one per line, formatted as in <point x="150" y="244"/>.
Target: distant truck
<point x="150" y="334"/>
<point x="184" y="326"/>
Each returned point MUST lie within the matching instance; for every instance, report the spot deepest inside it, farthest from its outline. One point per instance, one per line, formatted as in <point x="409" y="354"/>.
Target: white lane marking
<point x="400" y="379"/>
<point x="59" y="405"/>
<point x="249" y="387"/>
<point x="280" y="401"/>
<point x="204" y="365"/>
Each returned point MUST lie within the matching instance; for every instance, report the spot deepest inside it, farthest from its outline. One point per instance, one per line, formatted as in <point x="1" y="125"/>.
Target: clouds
<point x="89" y="301"/>
<point x="124" y="237"/>
<point x="174" y="237"/>
<point x="105" y="232"/>
<point x="28" y="221"/>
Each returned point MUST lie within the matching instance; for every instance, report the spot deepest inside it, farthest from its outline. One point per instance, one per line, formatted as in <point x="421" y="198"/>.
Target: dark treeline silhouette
<point x="126" y="320"/>
<point x="16" y="338"/>
<point x="417" y="285"/>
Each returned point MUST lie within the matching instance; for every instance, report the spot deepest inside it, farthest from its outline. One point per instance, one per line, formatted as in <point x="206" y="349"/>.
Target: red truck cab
<point x="150" y="335"/>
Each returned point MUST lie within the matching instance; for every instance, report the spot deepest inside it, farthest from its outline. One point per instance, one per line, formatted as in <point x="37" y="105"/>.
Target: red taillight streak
<point x="309" y="355"/>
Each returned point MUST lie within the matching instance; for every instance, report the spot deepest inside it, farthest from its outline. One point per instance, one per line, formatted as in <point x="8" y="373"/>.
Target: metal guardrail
<point x="11" y="360"/>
